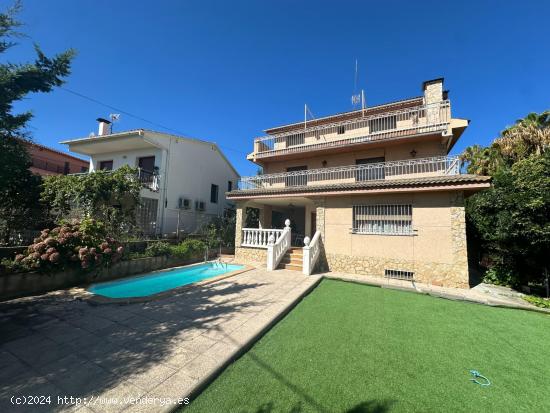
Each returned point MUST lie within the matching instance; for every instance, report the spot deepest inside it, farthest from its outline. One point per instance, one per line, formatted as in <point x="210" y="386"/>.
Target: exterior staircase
<point x="292" y="260"/>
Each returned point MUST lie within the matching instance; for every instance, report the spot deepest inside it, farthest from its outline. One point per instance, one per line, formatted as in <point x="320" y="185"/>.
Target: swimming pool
<point x="156" y="282"/>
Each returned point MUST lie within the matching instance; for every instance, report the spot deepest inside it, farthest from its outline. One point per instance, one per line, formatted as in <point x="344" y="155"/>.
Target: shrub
<point x="190" y="248"/>
<point x="538" y="301"/>
<point x="157" y="249"/>
<point x="77" y="244"/>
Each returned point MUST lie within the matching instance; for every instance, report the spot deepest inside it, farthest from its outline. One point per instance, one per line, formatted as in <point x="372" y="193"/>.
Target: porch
<point x="279" y="233"/>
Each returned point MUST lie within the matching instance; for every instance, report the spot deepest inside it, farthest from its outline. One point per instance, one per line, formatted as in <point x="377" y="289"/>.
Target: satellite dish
<point x="114" y="117"/>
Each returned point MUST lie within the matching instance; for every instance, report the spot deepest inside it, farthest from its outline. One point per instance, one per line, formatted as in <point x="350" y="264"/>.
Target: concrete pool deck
<point x="60" y="345"/>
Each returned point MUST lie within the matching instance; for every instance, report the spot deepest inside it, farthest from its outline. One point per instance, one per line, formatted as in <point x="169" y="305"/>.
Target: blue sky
<point x="226" y="70"/>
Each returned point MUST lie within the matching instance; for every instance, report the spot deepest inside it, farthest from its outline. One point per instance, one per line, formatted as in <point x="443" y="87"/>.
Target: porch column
<point x="239" y="220"/>
<point x="320" y="222"/>
<point x="265" y="216"/>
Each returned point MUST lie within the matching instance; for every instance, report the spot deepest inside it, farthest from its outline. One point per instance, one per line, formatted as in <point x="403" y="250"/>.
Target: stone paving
<point x="60" y="345"/>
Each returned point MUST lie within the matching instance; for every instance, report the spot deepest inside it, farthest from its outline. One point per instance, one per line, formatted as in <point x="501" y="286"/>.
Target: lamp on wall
<point x="413" y="153"/>
<point x="324" y="163"/>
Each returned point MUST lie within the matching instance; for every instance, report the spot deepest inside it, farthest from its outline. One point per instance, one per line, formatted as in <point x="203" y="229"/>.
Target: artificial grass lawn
<point x="354" y="348"/>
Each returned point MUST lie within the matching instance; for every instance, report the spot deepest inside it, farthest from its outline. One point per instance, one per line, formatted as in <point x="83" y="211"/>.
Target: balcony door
<point x="374" y="172"/>
<point x="147" y="163"/>
<point x="296" y="180"/>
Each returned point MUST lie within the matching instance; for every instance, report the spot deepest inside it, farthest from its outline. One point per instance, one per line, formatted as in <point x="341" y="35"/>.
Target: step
<point x="294" y="253"/>
<point x="290" y="260"/>
<point x="292" y="267"/>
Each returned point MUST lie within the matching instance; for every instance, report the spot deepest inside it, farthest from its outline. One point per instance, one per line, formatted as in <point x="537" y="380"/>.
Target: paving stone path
<point x="134" y="357"/>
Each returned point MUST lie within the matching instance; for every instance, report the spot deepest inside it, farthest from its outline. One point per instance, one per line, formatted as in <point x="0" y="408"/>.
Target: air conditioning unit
<point x="184" y="203"/>
<point x="199" y="205"/>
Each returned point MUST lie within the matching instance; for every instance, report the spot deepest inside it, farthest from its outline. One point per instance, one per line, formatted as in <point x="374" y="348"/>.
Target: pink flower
<point x="51" y="250"/>
<point x="55" y="257"/>
<point x="84" y="264"/>
<point x="19" y="257"/>
<point x="45" y="257"/>
<point x="120" y="250"/>
<point x="35" y="255"/>
<point x="92" y="250"/>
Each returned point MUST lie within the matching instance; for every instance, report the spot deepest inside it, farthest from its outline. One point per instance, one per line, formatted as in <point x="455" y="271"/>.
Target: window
<point x="299" y="179"/>
<point x="83" y="169"/>
<point x="382" y="124"/>
<point x="293" y="140"/>
<point x="341" y="130"/>
<point x="229" y="186"/>
<point x="372" y="172"/>
<point x="382" y="219"/>
<point x="147" y="163"/>
<point x="106" y="165"/>
<point x="214" y="194"/>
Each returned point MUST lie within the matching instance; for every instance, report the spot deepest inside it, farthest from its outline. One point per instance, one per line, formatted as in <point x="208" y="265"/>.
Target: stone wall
<point x="32" y="283"/>
<point x="252" y="256"/>
<point x="435" y="273"/>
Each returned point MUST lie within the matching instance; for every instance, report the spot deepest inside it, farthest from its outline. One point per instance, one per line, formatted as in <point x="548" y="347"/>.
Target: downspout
<point x="165" y="184"/>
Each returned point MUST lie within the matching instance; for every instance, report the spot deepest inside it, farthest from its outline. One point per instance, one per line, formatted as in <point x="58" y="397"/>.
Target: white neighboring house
<point x="184" y="179"/>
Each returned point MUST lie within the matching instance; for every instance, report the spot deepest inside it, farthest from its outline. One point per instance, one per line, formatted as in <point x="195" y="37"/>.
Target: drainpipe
<point x="164" y="186"/>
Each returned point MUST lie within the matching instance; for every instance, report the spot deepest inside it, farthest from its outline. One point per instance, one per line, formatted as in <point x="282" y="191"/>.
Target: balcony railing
<point x="411" y="168"/>
<point x="147" y="179"/>
<point x="388" y="125"/>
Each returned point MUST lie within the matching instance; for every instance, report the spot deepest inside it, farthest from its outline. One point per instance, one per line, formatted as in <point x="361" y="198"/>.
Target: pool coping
<point x="96" y="299"/>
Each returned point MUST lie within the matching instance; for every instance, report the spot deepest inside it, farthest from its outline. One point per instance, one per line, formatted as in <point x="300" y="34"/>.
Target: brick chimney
<point x="104" y="127"/>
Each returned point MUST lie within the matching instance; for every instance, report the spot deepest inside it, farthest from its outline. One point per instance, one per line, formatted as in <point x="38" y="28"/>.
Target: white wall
<point x="187" y="169"/>
<point x="192" y="168"/>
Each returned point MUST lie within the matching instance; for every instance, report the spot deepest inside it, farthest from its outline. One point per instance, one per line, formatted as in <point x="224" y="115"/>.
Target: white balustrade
<point x="310" y="252"/>
<point x="258" y="237"/>
<point x="276" y="249"/>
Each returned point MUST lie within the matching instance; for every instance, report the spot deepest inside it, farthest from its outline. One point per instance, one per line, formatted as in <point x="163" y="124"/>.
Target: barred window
<point x="382" y="219"/>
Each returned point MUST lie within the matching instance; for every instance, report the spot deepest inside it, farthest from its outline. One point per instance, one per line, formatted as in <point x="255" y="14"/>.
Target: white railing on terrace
<point x="422" y="167"/>
<point x="399" y="123"/>
<point x="258" y="237"/>
<point x="310" y="253"/>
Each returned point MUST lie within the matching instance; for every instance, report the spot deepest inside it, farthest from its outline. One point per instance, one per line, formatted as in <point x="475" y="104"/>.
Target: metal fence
<point x="435" y="166"/>
<point x="419" y="119"/>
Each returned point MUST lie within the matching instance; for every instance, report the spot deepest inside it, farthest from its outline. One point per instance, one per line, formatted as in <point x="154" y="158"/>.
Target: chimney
<point x="433" y="91"/>
<point x="104" y="126"/>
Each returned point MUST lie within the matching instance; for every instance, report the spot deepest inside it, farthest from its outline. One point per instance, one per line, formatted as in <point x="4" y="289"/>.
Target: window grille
<point x="399" y="274"/>
<point x="382" y="219"/>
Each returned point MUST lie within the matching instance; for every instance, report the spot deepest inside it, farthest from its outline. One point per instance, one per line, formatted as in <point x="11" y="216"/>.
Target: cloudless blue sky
<point x="226" y="70"/>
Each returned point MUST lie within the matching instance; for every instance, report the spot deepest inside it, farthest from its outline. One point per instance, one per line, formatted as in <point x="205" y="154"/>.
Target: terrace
<point x="362" y="128"/>
<point x="383" y="171"/>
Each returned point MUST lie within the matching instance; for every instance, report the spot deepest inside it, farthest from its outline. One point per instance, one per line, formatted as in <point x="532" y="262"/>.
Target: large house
<point x="371" y="191"/>
<point x="183" y="180"/>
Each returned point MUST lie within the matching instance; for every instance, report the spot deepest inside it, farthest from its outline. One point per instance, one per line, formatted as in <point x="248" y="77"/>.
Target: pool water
<point x="153" y="283"/>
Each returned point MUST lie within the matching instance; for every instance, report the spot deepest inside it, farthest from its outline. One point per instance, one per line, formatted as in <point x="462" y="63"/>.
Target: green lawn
<point x="355" y="348"/>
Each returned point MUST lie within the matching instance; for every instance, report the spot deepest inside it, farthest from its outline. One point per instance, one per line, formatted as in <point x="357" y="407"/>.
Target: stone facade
<point x="453" y="273"/>
<point x="252" y="256"/>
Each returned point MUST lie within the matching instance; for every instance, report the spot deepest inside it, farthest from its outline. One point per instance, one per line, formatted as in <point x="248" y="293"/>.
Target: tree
<point x="111" y="197"/>
<point x="19" y="206"/>
<point x="511" y="221"/>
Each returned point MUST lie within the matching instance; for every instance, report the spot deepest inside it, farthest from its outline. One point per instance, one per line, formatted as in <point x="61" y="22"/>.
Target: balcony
<point x="383" y="171"/>
<point x="148" y="179"/>
<point x="418" y="120"/>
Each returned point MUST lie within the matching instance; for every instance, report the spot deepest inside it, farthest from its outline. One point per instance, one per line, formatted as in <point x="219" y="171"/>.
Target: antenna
<point x="355" y="98"/>
<point x="115" y="117"/>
